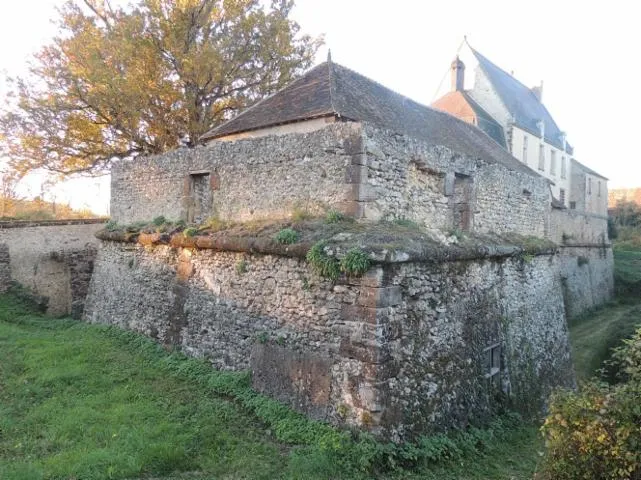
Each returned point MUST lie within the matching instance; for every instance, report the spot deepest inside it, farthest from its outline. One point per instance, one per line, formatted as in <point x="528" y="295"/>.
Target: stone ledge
<point x="49" y="223"/>
<point x="406" y="248"/>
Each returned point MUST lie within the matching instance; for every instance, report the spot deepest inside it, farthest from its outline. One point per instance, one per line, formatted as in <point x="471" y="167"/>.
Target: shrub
<point x="190" y="232"/>
<point x="321" y="262"/>
<point x="111" y="226"/>
<point x="287" y="236"/>
<point x="355" y="263"/>
<point x="595" y="433"/>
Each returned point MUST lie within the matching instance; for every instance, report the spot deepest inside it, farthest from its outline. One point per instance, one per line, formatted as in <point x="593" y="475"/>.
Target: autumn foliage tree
<point x="121" y="81"/>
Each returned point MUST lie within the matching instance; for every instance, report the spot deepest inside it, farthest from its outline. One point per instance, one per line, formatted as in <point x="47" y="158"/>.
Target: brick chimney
<point x="538" y="91"/>
<point x="458" y="75"/>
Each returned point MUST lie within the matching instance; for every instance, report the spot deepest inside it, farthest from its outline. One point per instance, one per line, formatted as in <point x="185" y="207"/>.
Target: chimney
<point x="458" y="75"/>
<point x="538" y="91"/>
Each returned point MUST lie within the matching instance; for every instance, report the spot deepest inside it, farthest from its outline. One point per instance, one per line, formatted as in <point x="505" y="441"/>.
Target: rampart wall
<point x="400" y="351"/>
<point x="52" y="259"/>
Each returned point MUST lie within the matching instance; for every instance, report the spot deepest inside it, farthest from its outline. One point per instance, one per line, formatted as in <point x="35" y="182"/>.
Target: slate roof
<point x="330" y="89"/>
<point x="522" y="104"/>
<point x="486" y="122"/>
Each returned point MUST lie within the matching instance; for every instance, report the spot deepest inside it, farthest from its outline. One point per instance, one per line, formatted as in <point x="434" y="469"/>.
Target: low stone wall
<point x="400" y="351"/>
<point x="53" y="259"/>
<point x="587" y="273"/>
<point x="576" y="227"/>
<point x="363" y="171"/>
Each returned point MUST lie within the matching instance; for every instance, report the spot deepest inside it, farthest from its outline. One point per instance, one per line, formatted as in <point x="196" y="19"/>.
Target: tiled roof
<point x="461" y="105"/>
<point x="521" y="102"/>
<point x="331" y="89"/>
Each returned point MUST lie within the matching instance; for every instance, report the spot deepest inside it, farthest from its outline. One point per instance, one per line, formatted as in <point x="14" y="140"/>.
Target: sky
<point x="587" y="53"/>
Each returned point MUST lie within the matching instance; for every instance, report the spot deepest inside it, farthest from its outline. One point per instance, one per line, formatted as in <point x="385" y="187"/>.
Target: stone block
<point x="380" y="296"/>
<point x="299" y="379"/>
<point x="356" y="174"/>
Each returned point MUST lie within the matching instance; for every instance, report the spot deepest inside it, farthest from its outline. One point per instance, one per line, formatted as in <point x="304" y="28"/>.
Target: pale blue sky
<point x="587" y="53"/>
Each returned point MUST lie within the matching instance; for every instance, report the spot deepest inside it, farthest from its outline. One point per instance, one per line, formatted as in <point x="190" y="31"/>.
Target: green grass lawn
<point x="85" y="402"/>
<point x="594" y="335"/>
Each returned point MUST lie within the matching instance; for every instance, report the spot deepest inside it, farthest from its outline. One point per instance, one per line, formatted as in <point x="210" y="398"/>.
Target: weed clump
<point x="322" y="263"/>
<point x="190" y="232"/>
<point x="355" y="263"/>
<point x="287" y="236"/>
<point x="334" y="216"/>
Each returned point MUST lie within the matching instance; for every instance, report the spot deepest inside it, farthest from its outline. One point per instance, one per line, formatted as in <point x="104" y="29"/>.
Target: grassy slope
<point x="78" y="401"/>
<point x="595" y="334"/>
<point x="75" y="404"/>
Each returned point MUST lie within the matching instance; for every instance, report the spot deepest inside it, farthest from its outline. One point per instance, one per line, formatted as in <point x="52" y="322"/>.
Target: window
<point x="562" y="196"/>
<point x="552" y="162"/>
<point x="563" y="168"/>
<point x="589" y="186"/>
<point x="524" y="158"/>
<point x="598" y="189"/>
<point x="572" y="205"/>
<point x="542" y="157"/>
<point x="492" y="358"/>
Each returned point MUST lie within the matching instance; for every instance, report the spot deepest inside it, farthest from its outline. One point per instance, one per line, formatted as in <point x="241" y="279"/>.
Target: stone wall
<point x="260" y="178"/>
<point x="399" y="351"/>
<point x="587" y="276"/>
<point x="356" y="168"/>
<point x="440" y="188"/>
<point x="53" y="259"/>
<point x="572" y="226"/>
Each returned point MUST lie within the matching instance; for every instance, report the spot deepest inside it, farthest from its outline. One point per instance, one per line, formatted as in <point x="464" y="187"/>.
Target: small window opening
<point x="562" y="196"/>
<point x="492" y="358"/>
<point x="572" y="205"/>
<point x="542" y="157"/>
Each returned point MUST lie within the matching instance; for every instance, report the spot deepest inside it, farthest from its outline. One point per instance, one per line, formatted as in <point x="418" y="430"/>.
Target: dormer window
<point x="541" y="125"/>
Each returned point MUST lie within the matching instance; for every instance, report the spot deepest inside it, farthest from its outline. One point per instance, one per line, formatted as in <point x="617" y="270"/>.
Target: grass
<point x="91" y="402"/>
<point x="75" y="402"/>
<point x="595" y="334"/>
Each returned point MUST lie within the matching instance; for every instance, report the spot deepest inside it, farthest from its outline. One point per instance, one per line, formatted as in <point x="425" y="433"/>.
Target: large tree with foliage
<point x="121" y="81"/>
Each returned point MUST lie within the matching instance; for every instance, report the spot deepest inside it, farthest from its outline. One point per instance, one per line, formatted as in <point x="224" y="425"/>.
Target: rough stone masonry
<point x="422" y="342"/>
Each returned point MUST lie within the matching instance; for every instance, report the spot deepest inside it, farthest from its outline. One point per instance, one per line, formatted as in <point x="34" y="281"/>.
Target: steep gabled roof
<point x="521" y="102"/>
<point x="330" y="89"/>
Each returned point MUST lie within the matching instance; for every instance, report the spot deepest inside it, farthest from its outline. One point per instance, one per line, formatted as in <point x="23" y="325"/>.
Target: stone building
<point x="465" y="298"/>
<point x="515" y="117"/>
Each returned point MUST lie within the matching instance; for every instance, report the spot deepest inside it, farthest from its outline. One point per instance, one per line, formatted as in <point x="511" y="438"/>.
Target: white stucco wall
<point x="532" y="160"/>
<point x="485" y="95"/>
<point x="304" y="126"/>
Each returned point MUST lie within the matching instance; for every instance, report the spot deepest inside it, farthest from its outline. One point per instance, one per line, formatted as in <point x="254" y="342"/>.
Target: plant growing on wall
<point x="287" y="236"/>
<point x="355" y="262"/>
<point x="322" y="263"/>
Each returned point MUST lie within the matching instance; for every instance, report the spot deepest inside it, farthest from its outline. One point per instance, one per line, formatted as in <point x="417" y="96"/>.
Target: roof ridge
<point x="477" y="54"/>
<point x="207" y="134"/>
